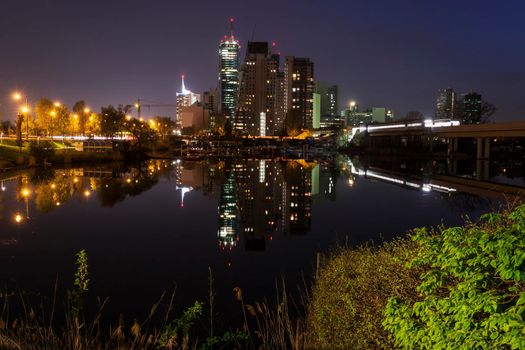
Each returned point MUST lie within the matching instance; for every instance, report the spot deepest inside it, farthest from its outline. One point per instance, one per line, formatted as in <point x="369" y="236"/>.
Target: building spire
<point x="232" y="20"/>
<point x="183" y="91"/>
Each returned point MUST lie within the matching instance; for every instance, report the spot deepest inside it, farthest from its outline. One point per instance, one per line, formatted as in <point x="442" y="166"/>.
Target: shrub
<point x="42" y="149"/>
<point x="472" y="293"/>
<point x="350" y="295"/>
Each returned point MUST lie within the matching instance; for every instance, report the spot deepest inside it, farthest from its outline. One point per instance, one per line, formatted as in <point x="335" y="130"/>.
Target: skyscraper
<point x="446" y="104"/>
<point x="229" y="50"/>
<point x="299" y="89"/>
<point x="185" y="98"/>
<point x="258" y="92"/>
<point x="471" y="108"/>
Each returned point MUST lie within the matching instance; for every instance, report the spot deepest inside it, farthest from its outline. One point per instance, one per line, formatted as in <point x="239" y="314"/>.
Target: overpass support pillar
<point x="483" y="148"/>
<point x="452" y="146"/>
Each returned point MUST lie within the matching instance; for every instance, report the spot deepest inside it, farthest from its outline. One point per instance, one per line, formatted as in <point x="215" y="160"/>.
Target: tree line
<point x="51" y="119"/>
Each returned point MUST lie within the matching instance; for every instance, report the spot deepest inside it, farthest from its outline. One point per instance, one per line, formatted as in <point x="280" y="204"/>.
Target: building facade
<point x="258" y="112"/>
<point x="185" y="98"/>
<point x="299" y="89"/>
<point x="471" y="108"/>
<point x="229" y="51"/>
<point x="446" y="104"/>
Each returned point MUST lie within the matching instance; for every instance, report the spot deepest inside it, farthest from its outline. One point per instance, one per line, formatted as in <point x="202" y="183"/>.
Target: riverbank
<point x="459" y="287"/>
<point x="13" y="157"/>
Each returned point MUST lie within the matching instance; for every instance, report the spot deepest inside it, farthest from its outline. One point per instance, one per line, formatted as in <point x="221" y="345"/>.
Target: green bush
<point x="349" y="297"/>
<point x="472" y="293"/>
<point x="42" y="149"/>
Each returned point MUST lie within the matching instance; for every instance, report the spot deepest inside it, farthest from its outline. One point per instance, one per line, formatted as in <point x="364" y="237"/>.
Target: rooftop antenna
<point x="231" y="26"/>
<point x="183" y="91"/>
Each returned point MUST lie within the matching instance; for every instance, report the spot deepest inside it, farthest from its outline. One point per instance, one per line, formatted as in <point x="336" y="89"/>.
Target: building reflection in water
<point x="227" y="231"/>
<point x="256" y="199"/>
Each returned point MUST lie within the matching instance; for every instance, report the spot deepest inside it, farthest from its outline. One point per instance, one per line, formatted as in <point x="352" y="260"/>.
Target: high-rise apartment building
<point x="258" y="113"/>
<point x="299" y="89"/>
<point x="229" y="50"/>
<point x="446" y="104"/>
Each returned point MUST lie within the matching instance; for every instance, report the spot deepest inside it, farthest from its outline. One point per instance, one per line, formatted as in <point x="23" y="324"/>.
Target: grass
<point x="352" y="291"/>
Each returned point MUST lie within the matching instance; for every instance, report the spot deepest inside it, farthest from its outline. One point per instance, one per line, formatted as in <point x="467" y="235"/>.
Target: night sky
<point x="388" y="53"/>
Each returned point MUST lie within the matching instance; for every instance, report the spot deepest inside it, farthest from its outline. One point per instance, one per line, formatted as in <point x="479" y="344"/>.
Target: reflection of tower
<point x="259" y="207"/>
<point x="227" y="235"/>
<point x="298" y="198"/>
<point x="183" y="191"/>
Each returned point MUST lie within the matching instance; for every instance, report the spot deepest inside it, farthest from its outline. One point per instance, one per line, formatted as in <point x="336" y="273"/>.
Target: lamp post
<point x="22" y="112"/>
<point x="25" y="113"/>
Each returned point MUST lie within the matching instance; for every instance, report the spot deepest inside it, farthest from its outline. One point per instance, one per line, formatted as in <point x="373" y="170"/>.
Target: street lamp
<point x="16" y="96"/>
<point x="53" y="114"/>
<point x="25" y="112"/>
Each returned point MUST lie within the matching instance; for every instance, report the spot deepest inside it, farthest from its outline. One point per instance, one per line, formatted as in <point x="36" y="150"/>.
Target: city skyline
<point x="112" y="54"/>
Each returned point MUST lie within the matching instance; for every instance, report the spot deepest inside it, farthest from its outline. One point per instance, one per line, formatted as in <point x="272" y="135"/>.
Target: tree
<point x="93" y="124"/>
<point x="487" y="110"/>
<point x="82" y="115"/>
<point x="110" y="120"/>
<point x="472" y="290"/>
<point x="45" y="113"/>
<point x="141" y="131"/>
<point x="62" y="119"/>
<point x="6" y="127"/>
<point x="293" y="122"/>
<point x="164" y="126"/>
<point x="414" y="115"/>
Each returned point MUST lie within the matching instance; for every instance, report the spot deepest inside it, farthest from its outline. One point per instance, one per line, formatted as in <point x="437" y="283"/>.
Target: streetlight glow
<point x="24" y="109"/>
<point x="25" y="192"/>
<point x="16" y="96"/>
<point x="87" y="110"/>
<point x="18" y="218"/>
<point x="57" y="104"/>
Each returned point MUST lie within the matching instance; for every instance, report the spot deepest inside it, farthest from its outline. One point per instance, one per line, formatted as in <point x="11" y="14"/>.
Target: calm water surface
<point x="162" y="224"/>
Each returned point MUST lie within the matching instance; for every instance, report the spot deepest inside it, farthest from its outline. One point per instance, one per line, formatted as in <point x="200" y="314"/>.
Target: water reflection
<point x="146" y="226"/>
<point x="256" y="198"/>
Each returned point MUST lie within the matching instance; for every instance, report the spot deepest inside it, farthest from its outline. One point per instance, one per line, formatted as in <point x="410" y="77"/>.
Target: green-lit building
<point x="471" y="105"/>
<point x="229" y="50"/>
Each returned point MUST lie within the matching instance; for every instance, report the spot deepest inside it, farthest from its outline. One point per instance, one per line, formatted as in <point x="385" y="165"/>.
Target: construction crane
<point x="139" y="104"/>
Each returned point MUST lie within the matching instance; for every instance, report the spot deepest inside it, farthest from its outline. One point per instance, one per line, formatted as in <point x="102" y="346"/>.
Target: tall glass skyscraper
<point x="229" y="50"/>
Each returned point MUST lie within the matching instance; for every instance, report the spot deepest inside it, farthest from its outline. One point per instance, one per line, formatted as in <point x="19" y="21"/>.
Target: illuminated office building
<point x="229" y="50"/>
<point x="185" y="98"/>
<point x="257" y="111"/>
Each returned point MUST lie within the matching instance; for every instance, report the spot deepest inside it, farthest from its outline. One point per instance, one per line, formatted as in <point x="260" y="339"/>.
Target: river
<point x="166" y="223"/>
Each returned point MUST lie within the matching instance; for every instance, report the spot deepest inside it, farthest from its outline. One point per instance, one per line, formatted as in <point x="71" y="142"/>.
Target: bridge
<point x="449" y="130"/>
